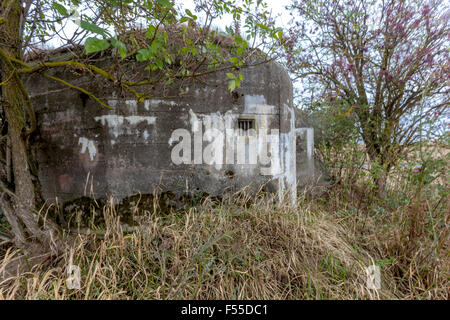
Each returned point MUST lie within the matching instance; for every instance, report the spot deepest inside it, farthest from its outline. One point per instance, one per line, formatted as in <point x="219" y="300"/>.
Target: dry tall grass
<point x="237" y="250"/>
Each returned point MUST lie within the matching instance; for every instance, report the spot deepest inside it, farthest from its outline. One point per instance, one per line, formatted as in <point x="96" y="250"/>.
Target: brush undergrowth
<point x="251" y="248"/>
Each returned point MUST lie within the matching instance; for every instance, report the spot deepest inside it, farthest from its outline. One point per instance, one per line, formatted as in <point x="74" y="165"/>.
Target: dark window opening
<point x="244" y="125"/>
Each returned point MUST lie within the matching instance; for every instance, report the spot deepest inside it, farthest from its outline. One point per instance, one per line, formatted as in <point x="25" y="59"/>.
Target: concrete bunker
<point x="84" y="149"/>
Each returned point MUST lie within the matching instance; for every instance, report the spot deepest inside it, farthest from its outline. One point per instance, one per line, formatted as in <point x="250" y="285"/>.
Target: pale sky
<point x="277" y="8"/>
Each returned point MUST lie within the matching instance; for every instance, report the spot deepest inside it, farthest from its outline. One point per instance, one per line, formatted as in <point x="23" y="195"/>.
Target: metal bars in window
<point x="245" y="125"/>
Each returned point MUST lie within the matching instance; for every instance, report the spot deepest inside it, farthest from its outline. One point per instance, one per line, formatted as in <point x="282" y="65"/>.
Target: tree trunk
<point x="19" y="204"/>
<point x="379" y="167"/>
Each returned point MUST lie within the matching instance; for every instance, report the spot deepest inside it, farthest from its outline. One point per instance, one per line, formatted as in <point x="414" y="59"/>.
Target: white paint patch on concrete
<point x="226" y="145"/>
<point x="257" y="104"/>
<point x="288" y="143"/>
<point x="119" y="125"/>
<point x="288" y="183"/>
<point x="260" y="109"/>
<point x="215" y="125"/>
<point x="214" y="135"/>
<point x="195" y="122"/>
<point x="88" y="145"/>
<point x="254" y="99"/>
<point x="310" y="142"/>
<point x="153" y="103"/>
<point x="131" y="106"/>
<point x="272" y="143"/>
<point x="134" y="120"/>
<point x="112" y="103"/>
<point x="111" y="120"/>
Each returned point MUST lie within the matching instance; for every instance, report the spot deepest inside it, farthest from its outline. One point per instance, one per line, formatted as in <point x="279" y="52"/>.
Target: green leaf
<point x="183" y="50"/>
<point x="232" y="85"/>
<point x="280" y="35"/>
<point x="156" y="45"/>
<point x="189" y="13"/>
<point x="120" y="46"/>
<point x="159" y="63"/>
<point x="165" y="3"/>
<point x="239" y="51"/>
<point x="231" y="76"/>
<point x="94" y="45"/>
<point x="150" y="31"/>
<point x="93" y="28"/>
<point x="144" y="55"/>
<point x="60" y="8"/>
<point x="183" y="19"/>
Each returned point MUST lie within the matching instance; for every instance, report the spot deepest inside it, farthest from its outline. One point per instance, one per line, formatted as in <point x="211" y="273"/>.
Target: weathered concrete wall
<point x="311" y="174"/>
<point x="82" y="146"/>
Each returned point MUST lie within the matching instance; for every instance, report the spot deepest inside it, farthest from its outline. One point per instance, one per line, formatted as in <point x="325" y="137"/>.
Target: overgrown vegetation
<point x="382" y="73"/>
<point x="254" y="248"/>
<point x="380" y="65"/>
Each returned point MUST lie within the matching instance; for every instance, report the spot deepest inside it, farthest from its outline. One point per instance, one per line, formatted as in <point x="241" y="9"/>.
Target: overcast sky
<point x="276" y="6"/>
